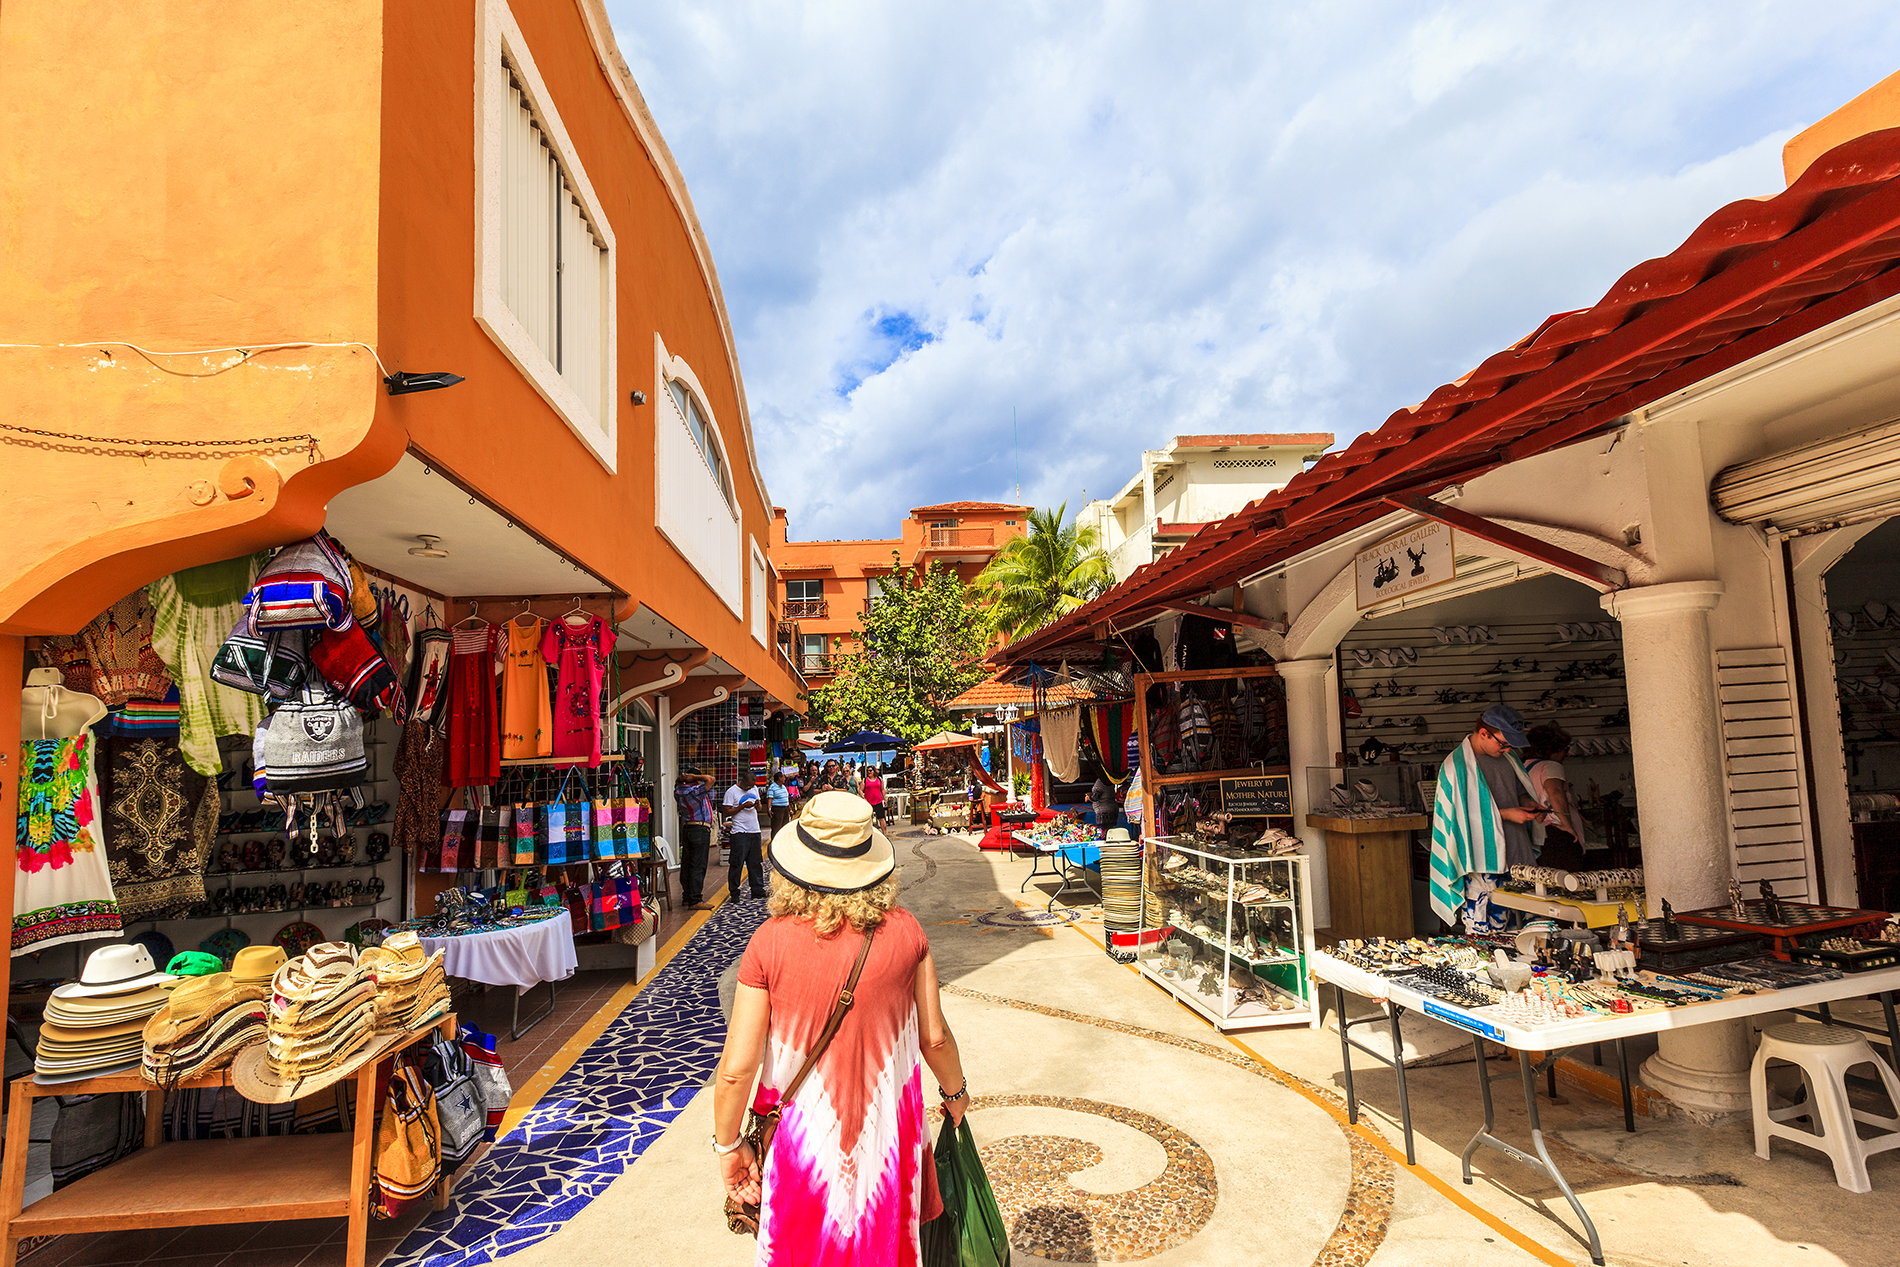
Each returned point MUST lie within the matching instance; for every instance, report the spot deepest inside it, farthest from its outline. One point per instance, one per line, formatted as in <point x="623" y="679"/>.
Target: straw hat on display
<point x="94" y="1025"/>
<point x="412" y="990"/>
<point x="208" y="1021"/>
<point x="321" y="1027"/>
<point x="832" y="847"/>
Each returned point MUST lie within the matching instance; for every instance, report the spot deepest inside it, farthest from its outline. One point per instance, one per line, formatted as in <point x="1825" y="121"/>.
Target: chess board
<point x="1798" y="919"/>
<point x="1696" y="945"/>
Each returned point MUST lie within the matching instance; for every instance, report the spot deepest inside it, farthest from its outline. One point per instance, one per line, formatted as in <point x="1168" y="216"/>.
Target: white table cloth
<point x="522" y="957"/>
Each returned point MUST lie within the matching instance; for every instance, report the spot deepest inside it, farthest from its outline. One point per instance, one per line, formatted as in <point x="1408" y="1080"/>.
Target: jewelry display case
<point x="1230" y="930"/>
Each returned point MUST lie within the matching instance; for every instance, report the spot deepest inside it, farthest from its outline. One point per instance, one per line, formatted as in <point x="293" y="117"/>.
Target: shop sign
<point x="1258" y="796"/>
<point x="1417" y="559"/>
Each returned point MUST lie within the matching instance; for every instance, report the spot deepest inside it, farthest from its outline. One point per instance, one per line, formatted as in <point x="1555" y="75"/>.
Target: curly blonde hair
<point x="829" y="912"/>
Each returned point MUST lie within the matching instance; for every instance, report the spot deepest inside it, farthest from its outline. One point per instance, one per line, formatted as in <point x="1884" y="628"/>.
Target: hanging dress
<point x="527" y="715"/>
<point x="62" y="888"/>
<point x="474" y="757"/>
<point x="579" y="654"/>
<point x="193" y="612"/>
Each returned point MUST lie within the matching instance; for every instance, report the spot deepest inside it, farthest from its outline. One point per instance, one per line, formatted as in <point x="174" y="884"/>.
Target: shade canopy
<point x="866" y="741"/>
<point x="947" y="739"/>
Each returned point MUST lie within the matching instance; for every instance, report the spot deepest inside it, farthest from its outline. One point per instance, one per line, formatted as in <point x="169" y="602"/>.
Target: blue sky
<point x="1130" y="221"/>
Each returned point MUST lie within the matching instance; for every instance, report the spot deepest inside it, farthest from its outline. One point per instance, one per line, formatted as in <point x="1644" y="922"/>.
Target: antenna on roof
<point x="1017" y="441"/>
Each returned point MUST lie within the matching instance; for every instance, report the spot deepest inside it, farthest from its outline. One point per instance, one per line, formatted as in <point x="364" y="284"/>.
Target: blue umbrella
<point x="866" y="741"/>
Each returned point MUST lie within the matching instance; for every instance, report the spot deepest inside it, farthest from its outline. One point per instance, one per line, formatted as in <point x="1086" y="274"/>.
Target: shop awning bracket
<point x="1248" y="619"/>
<point x="1600" y="576"/>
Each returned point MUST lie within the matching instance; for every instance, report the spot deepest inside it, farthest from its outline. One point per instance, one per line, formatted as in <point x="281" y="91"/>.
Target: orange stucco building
<point x="827" y="585"/>
<point x="220" y="237"/>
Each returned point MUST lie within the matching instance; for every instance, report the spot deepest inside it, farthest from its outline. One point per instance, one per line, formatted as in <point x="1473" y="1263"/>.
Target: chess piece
<point x="1622" y="926"/>
<point x="1771" y="902"/>
<point x="1735" y="907"/>
<point x="1671" y="931"/>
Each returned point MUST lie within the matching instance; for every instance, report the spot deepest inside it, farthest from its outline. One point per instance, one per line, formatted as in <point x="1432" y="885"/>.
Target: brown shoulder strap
<point x="843" y="1005"/>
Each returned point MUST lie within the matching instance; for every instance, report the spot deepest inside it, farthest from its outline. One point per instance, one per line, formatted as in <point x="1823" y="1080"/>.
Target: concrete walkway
<point x="1117" y="1126"/>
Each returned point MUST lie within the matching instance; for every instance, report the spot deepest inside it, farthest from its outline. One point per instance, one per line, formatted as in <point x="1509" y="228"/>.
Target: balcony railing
<point x="804" y="609"/>
<point x="958" y="538"/>
<point x="814" y="664"/>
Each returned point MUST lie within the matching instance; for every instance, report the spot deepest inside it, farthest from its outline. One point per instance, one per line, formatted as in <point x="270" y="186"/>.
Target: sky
<point x="972" y="246"/>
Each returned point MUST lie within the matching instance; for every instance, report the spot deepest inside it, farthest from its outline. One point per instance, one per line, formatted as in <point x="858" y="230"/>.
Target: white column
<point x="668" y="744"/>
<point x="1676" y="737"/>
<point x="1309" y="738"/>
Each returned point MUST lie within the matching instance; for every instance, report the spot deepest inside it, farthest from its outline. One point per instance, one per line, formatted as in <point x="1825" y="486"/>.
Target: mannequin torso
<point x="50" y="711"/>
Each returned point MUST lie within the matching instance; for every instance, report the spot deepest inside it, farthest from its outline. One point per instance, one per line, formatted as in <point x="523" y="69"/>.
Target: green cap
<point x="194" y="963"/>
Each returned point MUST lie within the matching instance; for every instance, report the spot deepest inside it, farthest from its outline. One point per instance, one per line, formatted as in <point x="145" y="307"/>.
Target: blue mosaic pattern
<point x="599" y="1116"/>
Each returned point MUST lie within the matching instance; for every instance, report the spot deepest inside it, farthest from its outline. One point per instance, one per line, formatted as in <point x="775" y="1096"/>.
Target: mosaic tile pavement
<point x="600" y="1116"/>
<point x="1362" y="1224"/>
<point x="1049" y="1216"/>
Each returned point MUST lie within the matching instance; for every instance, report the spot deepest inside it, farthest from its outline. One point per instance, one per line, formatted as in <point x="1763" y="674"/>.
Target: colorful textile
<point x="846" y="1183"/>
<point x="474" y="755"/>
<point x="350" y="662"/>
<point x="192" y="611"/>
<point x="1467" y="834"/>
<point x="1109" y="725"/>
<point x="1134" y="802"/>
<point x="151" y="719"/>
<point x="419" y="757"/>
<point x="161" y="818"/>
<point x="579" y="656"/>
<point x="527" y="713"/>
<point x="306" y="585"/>
<point x="119" y="648"/>
<point x="62" y="889"/>
<point x="1061" y="735"/>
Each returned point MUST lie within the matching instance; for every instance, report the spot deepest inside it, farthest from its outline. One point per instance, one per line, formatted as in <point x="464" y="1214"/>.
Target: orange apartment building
<point x="828" y="585"/>
<point x="209" y="322"/>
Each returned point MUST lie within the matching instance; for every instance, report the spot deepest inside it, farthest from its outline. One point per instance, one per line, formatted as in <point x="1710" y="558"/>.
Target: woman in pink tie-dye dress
<point x="849" y="1177"/>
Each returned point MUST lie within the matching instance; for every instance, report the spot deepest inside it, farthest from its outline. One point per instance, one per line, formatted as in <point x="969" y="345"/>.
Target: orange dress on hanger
<point x="527" y="710"/>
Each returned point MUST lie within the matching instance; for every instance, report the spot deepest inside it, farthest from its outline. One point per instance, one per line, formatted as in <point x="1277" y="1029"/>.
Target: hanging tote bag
<point x="522" y="835"/>
<point x="271" y="664"/>
<point x="569" y="827"/>
<point x="306" y="585"/>
<point x="495" y="825"/>
<point x="462" y="1120"/>
<point x="614" y="826"/>
<point x="491" y="1080"/>
<point x="970" y="1231"/>
<point x="459" y="827"/>
<point x="315" y="743"/>
<point x="408" y="1144"/>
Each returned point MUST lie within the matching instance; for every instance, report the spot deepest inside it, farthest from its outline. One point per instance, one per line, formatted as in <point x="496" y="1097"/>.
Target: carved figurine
<point x="1771" y="901"/>
<point x="1671" y="931"/>
<point x="1735" y="907"/>
<point x="1622" y="937"/>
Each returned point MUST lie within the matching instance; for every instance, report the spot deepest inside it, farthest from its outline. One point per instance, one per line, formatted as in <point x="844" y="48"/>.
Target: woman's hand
<point x="958" y="1107"/>
<point x="739" y="1171"/>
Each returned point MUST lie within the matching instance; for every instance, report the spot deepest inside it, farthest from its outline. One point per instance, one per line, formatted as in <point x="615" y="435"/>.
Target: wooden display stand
<point x="1152" y="781"/>
<point x="1369" y="873"/>
<point x="193" y="1182"/>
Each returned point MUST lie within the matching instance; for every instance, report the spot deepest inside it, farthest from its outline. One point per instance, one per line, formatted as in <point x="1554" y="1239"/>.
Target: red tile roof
<point x="995" y="694"/>
<point x="918" y="510"/>
<point x="1753" y="276"/>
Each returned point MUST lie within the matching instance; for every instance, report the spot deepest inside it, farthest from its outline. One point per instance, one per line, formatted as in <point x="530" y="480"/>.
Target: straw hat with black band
<point x="321" y="1027"/>
<point x="833" y="847"/>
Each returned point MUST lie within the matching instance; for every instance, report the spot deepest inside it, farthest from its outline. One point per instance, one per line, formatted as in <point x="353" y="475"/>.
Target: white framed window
<point x="801" y="591"/>
<point x="761" y="628"/>
<point x="545" y="263"/>
<point x="694" y="504"/>
<point x="704" y="435"/>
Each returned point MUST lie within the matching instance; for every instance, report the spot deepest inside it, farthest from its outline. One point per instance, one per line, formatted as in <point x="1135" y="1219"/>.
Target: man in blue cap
<point x="1480" y="819"/>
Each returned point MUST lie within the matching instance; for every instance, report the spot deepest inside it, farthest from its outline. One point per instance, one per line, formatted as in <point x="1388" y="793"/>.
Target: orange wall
<point x="501" y="437"/>
<point x="159" y="191"/>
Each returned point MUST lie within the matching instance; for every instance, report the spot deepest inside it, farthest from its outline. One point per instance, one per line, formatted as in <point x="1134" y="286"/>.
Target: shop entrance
<point x="1863" y="603"/>
<point x="1414" y="682"/>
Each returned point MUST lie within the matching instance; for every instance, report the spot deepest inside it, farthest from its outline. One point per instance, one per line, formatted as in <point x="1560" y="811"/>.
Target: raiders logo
<point x="319" y="726"/>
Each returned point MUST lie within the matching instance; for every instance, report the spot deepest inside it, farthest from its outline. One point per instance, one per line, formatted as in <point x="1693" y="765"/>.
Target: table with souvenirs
<point x="1073" y="849"/>
<point x="1543" y="990"/>
<point x="523" y="948"/>
<point x="283" y="1033"/>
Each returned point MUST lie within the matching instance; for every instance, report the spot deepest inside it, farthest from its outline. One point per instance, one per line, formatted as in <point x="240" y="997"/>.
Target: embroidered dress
<point x="62" y="890"/>
<point x="527" y="715"/>
<point x="474" y="756"/>
<point x="579" y="654"/>
<point x="846" y="1183"/>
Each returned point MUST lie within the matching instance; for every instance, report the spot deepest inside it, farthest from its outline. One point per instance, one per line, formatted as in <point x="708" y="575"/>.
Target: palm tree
<point x="1039" y="578"/>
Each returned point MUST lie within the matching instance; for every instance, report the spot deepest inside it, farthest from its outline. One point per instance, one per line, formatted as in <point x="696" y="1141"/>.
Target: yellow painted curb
<point x="534" y="1088"/>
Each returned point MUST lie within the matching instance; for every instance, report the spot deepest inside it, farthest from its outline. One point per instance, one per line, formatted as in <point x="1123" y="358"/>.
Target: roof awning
<point x="1753" y="276"/>
<point x="1843" y="480"/>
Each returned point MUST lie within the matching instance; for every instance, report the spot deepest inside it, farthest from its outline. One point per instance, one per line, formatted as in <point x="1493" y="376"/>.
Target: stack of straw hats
<point x="321" y="1027"/>
<point x="95" y="1025"/>
<point x="211" y="1018"/>
<point x="411" y="988"/>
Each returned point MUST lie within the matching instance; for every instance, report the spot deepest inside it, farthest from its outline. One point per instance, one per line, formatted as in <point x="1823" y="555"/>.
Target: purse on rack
<point x="495" y="825"/>
<point x="569" y="827"/>
<point x="524" y="836"/>
<point x="459" y="827"/>
<point x="614" y="827"/>
<point x="613" y="902"/>
<point x="315" y="743"/>
<point x="306" y="585"/>
<point x="271" y="664"/>
<point x="742" y="1217"/>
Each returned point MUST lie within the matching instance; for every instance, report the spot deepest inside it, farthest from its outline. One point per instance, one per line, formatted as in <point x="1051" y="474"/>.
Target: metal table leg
<point x="1345" y="1054"/>
<point x="1035" y="869"/>
<point x="1623" y="1075"/>
<point x="515" y="1028"/>
<point x="1541" y="1162"/>
<point x="1397" y="1062"/>
<point x="1398" y="1065"/>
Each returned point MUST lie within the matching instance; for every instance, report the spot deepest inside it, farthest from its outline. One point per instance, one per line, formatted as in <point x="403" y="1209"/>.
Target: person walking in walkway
<point x="742" y="834"/>
<point x="846" y="1180"/>
<point x="693" y="793"/>
<point x="874" y="794"/>
<point x="780" y="797"/>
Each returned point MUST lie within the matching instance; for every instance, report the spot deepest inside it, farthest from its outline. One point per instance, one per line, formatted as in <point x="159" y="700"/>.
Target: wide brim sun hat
<point x="321" y="1028"/>
<point x="833" y="846"/>
<point x="116" y="969"/>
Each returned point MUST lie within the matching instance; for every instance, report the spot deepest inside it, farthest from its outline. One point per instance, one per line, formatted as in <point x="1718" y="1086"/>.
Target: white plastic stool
<point x="1824" y="1054"/>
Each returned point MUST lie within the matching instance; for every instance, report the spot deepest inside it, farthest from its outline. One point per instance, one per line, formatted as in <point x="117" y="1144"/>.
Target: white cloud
<point x="1127" y="221"/>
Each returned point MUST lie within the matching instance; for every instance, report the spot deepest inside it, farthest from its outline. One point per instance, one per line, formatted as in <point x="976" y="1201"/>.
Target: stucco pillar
<point x="668" y="744"/>
<point x="1676" y="737"/>
<point x="1308" y="736"/>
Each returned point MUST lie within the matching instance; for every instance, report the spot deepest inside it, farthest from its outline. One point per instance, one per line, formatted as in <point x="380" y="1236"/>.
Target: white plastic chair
<point x="1824" y="1054"/>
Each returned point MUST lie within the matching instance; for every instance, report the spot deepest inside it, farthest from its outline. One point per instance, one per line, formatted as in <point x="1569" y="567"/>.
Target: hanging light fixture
<point x="430" y="547"/>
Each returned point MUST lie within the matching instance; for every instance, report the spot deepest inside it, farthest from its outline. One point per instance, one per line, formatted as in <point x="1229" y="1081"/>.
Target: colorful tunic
<point x="62" y="890"/>
<point x="193" y="612"/>
<point x="474" y="755"/>
<point x="846" y="1184"/>
<point x="579" y="654"/>
<point x="527" y="715"/>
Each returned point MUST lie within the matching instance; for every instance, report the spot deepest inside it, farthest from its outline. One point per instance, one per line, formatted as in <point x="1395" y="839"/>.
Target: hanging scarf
<point x="1109" y="724"/>
<point x="1467" y="833"/>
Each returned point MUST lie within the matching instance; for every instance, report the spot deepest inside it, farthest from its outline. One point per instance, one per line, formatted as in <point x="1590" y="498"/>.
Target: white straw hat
<point x="832" y="847"/>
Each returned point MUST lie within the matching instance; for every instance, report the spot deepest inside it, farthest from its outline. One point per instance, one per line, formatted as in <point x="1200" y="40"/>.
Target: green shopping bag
<point x="970" y="1231"/>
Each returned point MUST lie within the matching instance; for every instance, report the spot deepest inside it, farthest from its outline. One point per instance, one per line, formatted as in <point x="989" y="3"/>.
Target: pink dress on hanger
<point x="579" y="656"/>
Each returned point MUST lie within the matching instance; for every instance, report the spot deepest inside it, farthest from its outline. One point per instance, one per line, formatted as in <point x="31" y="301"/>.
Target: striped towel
<point x="142" y="718"/>
<point x="1467" y="834"/>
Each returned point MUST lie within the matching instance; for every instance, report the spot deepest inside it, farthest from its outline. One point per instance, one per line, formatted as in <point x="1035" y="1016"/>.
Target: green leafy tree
<point x="1041" y="577"/>
<point x="924" y="639"/>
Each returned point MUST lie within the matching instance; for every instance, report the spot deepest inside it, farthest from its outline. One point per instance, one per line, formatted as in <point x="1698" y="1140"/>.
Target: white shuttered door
<point x="1767" y="807"/>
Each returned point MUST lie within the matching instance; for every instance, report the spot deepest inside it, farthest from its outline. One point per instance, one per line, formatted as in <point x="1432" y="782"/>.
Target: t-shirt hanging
<point x="579" y="655"/>
<point x="527" y="724"/>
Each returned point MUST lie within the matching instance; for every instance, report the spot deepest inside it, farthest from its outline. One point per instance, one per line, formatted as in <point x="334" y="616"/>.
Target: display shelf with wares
<point x="1229" y="931"/>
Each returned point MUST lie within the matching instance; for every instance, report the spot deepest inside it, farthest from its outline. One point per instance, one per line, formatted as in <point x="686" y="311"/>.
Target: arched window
<point x="704" y="435"/>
